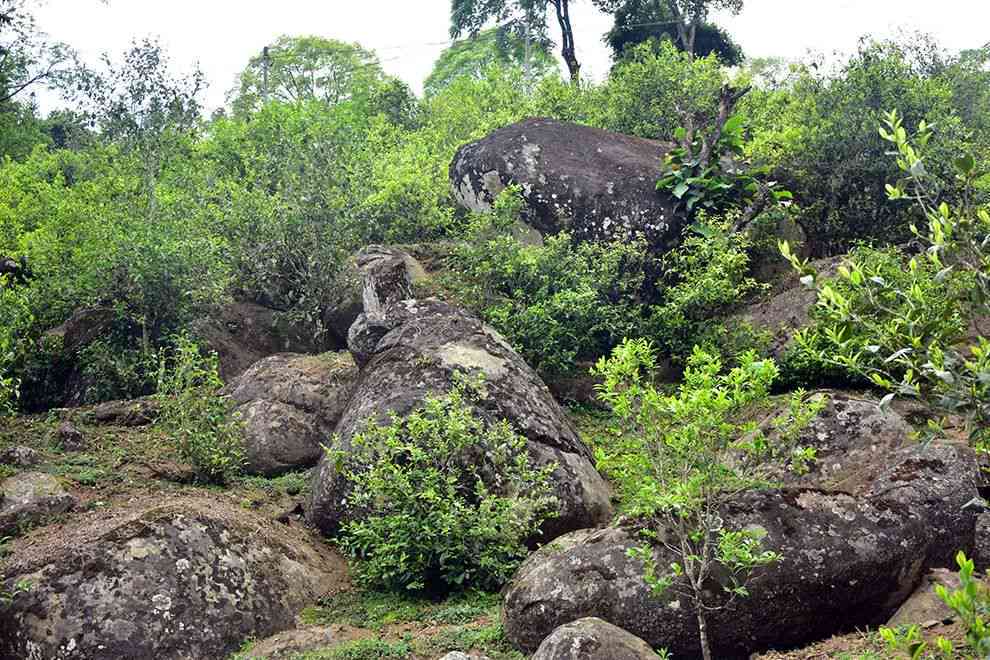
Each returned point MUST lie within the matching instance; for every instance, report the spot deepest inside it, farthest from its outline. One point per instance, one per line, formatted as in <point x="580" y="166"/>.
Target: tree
<point x="638" y="21"/>
<point x="524" y="17"/>
<point x="27" y="58"/>
<point x="472" y="56"/>
<point x="300" y="68"/>
<point x="685" y="457"/>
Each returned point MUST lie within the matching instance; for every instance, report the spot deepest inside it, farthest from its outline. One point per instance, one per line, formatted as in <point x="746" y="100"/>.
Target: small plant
<point x="684" y="457"/>
<point x="447" y="500"/>
<point x="195" y="414"/>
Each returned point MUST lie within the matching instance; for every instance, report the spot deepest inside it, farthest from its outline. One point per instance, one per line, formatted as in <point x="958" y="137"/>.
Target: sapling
<point x="684" y="456"/>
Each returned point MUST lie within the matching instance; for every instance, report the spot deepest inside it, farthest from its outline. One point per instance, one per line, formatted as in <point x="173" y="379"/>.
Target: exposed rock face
<point x="596" y="184"/>
<point x="70" y="438"/>
<point x="856" y="534"/>
<point x="187" y="580"/>
<point x="924" y="607"/>
<point x="291" y="644"/>
<point x="241" y="333"/>
<point x="422" y="346"/>
<point x="134" y="412"/>
<point x="80" y="329"/>
<point x="30" y="497"/>
<point x="591" y="638"/>
<point x="20" y="456"/>
<point x="372" y="279"/>
<point x="289" y="405"/>
<point x="787" y="307"/>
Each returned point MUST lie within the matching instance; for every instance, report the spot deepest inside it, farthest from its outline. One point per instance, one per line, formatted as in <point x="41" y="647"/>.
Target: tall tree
<point x="638" y="21"/>
<point x="527" y="18"/>
<point x="298" y="68"/>
<point x="27" y="57"/>
<point x="472" y="56"/>
<point x="690" y="15"/>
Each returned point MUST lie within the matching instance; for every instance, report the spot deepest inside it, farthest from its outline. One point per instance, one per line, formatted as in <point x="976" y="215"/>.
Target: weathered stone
<point x="786" y="308"/>
<point x="591" y="638"/>
<point x="69" y="437"/>
<point x="848" y="563"/>
<point x="595" y="184"/>
<point x="79" y="330"/>
<point x="289" y="405"/>
<point x="131" y="412"/>
<point x="241" y="333"/>
<point x="186" y="580"/>
<point x="290" y="644"/>
<point x="924" y="607"/>
<point x="981" y="542"/>
<point x="856" y="531"/>
<point x="372" y="279"/>
<point x="458" y="655"/>
<point x="29" y="498"/>
<point x="428" y="343"/>
<point x="20" y="456"/>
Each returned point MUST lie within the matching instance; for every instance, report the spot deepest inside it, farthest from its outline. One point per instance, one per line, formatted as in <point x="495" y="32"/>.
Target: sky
<point x="408" y="35"/>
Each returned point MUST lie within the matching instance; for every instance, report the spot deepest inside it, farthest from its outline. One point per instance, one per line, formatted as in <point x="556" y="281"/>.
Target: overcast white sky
<point x="409" y="34"/>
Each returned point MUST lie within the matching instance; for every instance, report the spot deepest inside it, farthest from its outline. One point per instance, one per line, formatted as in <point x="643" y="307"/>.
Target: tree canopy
<point x="307" y="67"/>
<point x="495" y="46"/>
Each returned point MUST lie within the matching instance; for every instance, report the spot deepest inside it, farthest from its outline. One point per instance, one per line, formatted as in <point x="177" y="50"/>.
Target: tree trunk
<point x="706" y="649"/>
<point x="567" y="39"/>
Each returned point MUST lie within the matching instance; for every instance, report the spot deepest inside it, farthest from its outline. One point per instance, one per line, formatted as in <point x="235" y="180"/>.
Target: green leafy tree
<point x="684" y="457"/>
<point x="306" y="68"/>
<point x="527" y="18"/>
<point x="639" y="21"/>
<point x="496" y="46"/>
<point x="27" y="57"/>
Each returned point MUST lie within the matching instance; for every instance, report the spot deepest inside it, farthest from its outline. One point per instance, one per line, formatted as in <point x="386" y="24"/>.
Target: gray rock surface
<point x="289" y="644"/>
<point x="131" y="412"/>
<point x="241" y="333"/>
<point x="924" y="608"/>
<point x="29" y="498"/>
<point x="69" y="437"/>
<point x="857" y="533"/>
<point x="289" y="405"/>
<point x="186" y="580"/>
<point x="591" y="638"/>
<point x="596" y="184"/>
<point x="372" y="279"/>
<point x="425" y="344"/>
<point x="19" y="456"/>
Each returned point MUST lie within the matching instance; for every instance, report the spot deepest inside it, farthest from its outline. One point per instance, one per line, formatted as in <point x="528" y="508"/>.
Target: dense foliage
<point x="447" y="500"/>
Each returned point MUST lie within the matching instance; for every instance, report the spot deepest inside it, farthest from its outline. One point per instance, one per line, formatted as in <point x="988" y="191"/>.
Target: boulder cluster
<point x="194" y="577"/>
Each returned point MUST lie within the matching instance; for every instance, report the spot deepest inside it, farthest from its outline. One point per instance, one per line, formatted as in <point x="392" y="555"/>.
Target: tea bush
<point x="446" y="499"/>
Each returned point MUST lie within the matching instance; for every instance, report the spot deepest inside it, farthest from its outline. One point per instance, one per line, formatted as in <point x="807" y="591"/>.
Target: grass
<point x="375" y="610"/>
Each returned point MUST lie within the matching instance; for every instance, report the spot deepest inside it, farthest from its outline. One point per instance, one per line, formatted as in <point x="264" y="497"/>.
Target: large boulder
<point x="289" y="406"/>
<point x="596" y="184"/>
<point x="422" y="346"/>
<point x="369" y="281"/>
<point x="241" y="333"/>
<point x="591" y="638"/>
<point x="28" y="499"/>
<point x="855" y="533"/>
<point x="186" y="580"/>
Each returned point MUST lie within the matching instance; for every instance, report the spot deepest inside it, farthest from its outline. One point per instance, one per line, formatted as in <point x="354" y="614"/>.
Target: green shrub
<point x="703" y="278"/>
<point x="447" y="500"/>
<point x="15" y="322"/>
<point x="556" y="303"/>
<point x="902" y="325"/>
<point x="685" y="456"/>
<point x="195" y="415"/>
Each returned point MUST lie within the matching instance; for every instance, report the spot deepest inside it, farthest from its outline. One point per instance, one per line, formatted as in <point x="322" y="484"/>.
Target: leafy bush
<point x="556" y="303"/>
<point x="703" y="277"/>
<point x="904" y="329"/>
<point x="15" y="320"/>
<point x="196" y="416"/>
<point x="447" y="500"/>
<point x="818" y="134"/>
